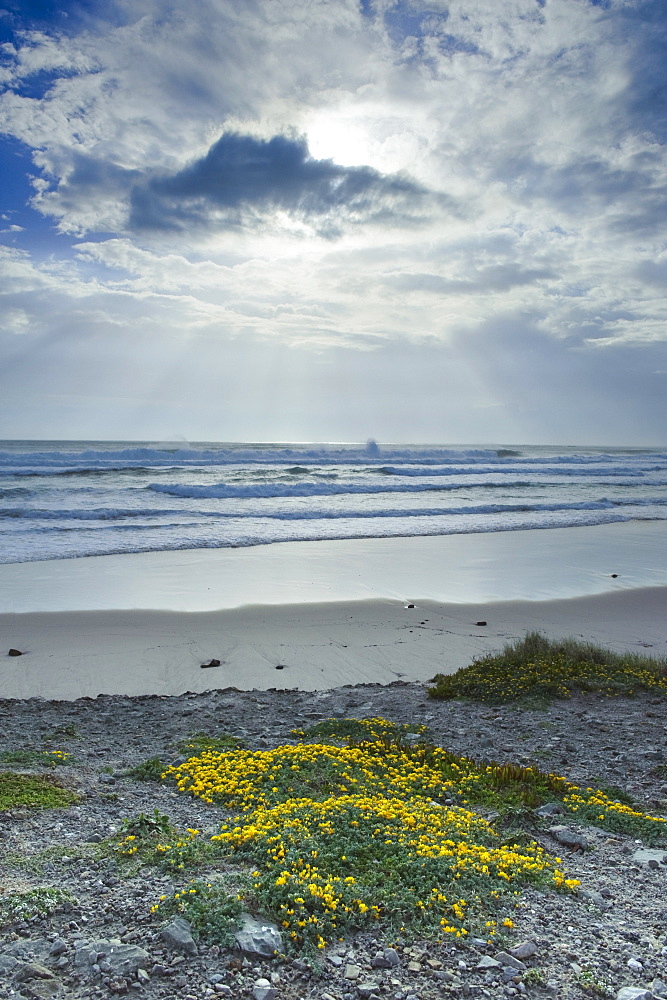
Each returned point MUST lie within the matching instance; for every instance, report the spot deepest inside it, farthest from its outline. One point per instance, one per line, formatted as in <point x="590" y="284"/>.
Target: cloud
<point x="242" y="177"/>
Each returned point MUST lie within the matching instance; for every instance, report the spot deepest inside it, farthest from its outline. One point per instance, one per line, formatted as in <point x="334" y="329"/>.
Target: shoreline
<point x="526" y="564"/>
<point x="307" y="647"/>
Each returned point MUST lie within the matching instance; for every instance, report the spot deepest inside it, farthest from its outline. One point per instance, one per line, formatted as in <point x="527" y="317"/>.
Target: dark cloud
<point x="242" y="178"/>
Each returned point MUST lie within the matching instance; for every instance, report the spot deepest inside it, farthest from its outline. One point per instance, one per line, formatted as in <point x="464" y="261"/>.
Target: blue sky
<point x="432" y="221"/>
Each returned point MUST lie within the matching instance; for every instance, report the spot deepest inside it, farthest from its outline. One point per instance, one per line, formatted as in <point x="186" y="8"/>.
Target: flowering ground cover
<point x="371" y="825"/>
<point x="539" y="668"/>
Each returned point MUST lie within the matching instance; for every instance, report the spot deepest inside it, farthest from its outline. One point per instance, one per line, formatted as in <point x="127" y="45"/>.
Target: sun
<point x="341" y="139"/>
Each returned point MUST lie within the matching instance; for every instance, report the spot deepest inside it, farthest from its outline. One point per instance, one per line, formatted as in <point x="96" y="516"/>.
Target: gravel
<point x="609" y="939"/>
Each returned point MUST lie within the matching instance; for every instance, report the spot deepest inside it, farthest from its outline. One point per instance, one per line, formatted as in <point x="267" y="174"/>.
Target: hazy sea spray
<point x="60" y="500"/>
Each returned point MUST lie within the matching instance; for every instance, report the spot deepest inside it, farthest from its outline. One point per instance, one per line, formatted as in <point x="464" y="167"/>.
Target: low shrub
<point x="32" y="791"/>
<point x="539" y="668"/>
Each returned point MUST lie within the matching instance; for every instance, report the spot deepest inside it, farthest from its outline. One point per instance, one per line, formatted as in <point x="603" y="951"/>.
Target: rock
<point x="14" y="652"/>
<point x="505" y="959"/>
<point x="635" y="965"/>
<point x="352" y="972"/>
<point x="335" y="960"/>
<point x="526" y="949"/>
<point x="568" y="837"/>
<point x="480" y="623"/>
<point x="550" y="809"/>
<point x="368" y="989"/>
<point x="58" y="948"/>
<point x="263" y="990"/>
<point x="178" y="935"/>
<point x="387" y="959"/>
<point x="634" y="993"/>
<point x="31" y="970"/>
<point x="659" y="988"/>
<point x="645" y="855"/>
<point x="123" y="959"/>
<point x="7" y="963"/>
<point x="258" y="937"/>
<point x="486" y="962"/>
<point x="211" y="663"/>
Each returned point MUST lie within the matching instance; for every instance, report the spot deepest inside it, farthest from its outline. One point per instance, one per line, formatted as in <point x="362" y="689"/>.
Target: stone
<point x="258" y="937"/>
<point x="645" y="855"/>
<point x="550" y="809"/>
<point x="211" y="663"/>
<point x="123" y="959"/>
<point x="352" y="972"/>
<point x="414" y="966"/>
<point x="58" y="948"/>
<point x="335" y="960"/>
<point x="659" y="988"/>
<point x="31" y="970"/>
<point x="14" y="652"/>
<point x="634" y="993"/>
<point x="635" y="965"/>
<point x="505" y="959"/>
<point x="480" y="624"/>
<point x="568" y="837"/>
<point x="263" y="990"/>
<point x="486" y="962"/>
<point x="368" y="989"/>
<point x="525" y="949"/>
<point x="7" y="963"/>
<point x="178" y="935"/>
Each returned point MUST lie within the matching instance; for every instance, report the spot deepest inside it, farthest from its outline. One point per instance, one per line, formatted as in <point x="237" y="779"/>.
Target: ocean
<point x="67" y="499"/>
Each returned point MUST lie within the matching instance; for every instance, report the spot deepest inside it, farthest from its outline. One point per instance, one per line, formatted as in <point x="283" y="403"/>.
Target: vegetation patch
<point x="35" y="758"/>
<point x="539" y="668"/>
<point x="38" y="902"/>
<point x="148" y="770"/>
<point x="32" y="791"/>
<point x="372" y="833"/>
<point x="212" y="910"/>
<point x="200" y="742"/>
<point x="153" y="839"/>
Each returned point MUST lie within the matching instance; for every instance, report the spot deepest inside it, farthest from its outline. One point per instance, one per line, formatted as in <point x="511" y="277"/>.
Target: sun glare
<point x="342" y="141"/>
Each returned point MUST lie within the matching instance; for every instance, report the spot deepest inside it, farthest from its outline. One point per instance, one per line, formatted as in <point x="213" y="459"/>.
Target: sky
<point x="438" y="221"/>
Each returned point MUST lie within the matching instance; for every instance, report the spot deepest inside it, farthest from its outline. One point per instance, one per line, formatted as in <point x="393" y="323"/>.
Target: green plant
<point x="200" y="742"/>
<point x="155" y="840"/>
<point x="32" y="791"/>
<point x="142" y="825"/>
<point x="213" y="912"/>
<point x="590" y="982"/>
<point x="355" y="732"/>
<point x="66" y="729"/>
<point x="34" y="758"/>
<point x="539" y="668"/>
<point x="38" y="902"/>
<point x="148" y="770"/>
<point x="533" y="977"/>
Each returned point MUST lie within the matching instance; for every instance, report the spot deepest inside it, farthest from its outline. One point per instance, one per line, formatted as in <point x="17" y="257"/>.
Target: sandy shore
<point x="317" y="615"/>
<point x="306" y="646"/>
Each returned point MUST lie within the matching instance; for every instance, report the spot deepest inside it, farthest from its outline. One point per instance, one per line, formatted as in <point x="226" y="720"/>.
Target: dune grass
<point x="537" y="668"/>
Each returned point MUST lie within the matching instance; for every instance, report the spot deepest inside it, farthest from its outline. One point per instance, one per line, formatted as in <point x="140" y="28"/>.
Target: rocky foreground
<point x="609" y="939"/>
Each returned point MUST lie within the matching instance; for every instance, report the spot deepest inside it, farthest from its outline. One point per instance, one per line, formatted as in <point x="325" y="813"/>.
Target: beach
<point x="320" y="615"/>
